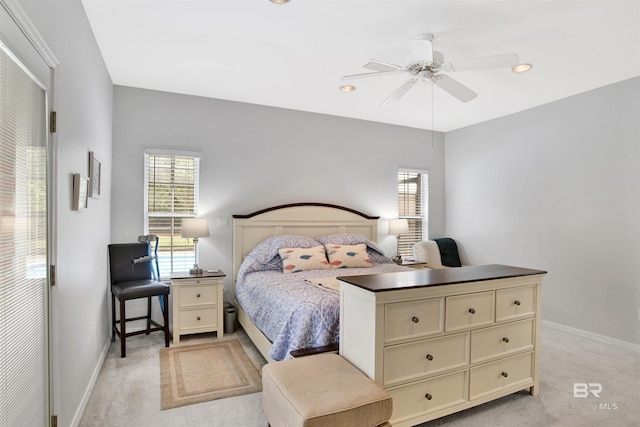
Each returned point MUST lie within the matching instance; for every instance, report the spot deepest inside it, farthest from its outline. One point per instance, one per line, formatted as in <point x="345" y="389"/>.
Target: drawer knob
<point x="197" y="295"/>
<point x="504" y="374"/>
<point x="198" y="318"/>
<point x="429" y="357"/>
<point x="414" y="319"/>
<point x="517" y="302"/>
<point x="472" y="310"/>
<point x="505" y="339"/>
<point x="428" y="396"/>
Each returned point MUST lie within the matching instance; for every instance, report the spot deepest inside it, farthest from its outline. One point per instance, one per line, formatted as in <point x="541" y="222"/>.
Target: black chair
<point x="132" y="277"/>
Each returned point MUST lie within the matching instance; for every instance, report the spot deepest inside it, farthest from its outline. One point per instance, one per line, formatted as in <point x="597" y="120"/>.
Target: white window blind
<point x="24" y="303"/>
<point x="171" y="194"/>
<point x="413" y="204"/>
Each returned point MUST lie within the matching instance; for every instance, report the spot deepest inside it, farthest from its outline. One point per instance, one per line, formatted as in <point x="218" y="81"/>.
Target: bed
<point x="283" y="307"/>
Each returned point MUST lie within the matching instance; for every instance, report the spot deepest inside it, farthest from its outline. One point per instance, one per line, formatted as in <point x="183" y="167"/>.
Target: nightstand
<point x="197" y="303"/>
<point x="418" y="265"/>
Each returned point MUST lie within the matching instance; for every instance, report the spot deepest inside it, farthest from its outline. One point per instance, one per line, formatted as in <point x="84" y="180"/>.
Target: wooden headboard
<point x="306" y="219"/>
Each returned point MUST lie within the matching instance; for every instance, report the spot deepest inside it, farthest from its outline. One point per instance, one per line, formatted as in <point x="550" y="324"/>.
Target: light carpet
<point x="203" y="372"/>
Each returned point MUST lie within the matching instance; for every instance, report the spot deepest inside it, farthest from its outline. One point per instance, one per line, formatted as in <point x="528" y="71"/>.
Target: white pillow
<point x="302" y="259"/>
<point x="348" y="256"/>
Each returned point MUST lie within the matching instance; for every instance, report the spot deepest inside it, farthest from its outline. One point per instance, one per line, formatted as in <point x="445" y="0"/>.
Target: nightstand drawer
<point x="517" y="302"/>
<point x="413" y="319"/>
<point x="198" y="318"/>
<point x="469" y="311"/>
<point x="409" y="362"/>
<point x="198" y="295"/>
<point x="501" y="340"/>
<point x="513" y="371"/>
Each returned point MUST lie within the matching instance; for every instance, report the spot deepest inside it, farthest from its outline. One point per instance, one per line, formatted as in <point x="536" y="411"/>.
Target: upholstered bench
<point x="322" y="390"/>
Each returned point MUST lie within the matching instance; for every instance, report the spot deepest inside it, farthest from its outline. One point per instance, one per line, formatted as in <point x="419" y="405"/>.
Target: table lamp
<point x="194" y="228"/>
<point x="396" y="227"/>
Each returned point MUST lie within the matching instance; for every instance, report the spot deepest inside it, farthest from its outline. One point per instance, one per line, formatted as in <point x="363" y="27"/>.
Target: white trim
<point x="20" y="17"/>
<point x="94" y="377"/>
<point x="596" y="337"/>
<point x="179" y="153"/>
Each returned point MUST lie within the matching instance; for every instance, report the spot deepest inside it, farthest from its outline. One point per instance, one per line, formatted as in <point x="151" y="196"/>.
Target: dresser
<point x="440" y="341"/>
<point x="197" y="303"/>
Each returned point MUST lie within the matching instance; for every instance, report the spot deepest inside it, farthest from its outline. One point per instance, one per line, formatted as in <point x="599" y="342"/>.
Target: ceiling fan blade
<point x="421" y="50"/>
<point x="454" y="87"/>
<point x="375" y="65"/>
<point x="485" y="62"/>
<point x="399" y="92"/>
<point x="380" y="73"/>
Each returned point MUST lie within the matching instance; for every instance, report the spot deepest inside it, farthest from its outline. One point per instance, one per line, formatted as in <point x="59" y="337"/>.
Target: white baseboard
<point x="596" y="337"/>
<point x="94" y="377"/>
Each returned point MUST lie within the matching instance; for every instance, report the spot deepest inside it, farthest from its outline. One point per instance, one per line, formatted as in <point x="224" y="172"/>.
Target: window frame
<point x="418" y="221"/>
<point x="168" y="260"/>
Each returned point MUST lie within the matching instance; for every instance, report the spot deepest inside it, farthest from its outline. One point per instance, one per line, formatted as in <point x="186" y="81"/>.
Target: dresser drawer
<point x="198" y="318"/>
<point x="422" y="397"/>
<point x="198" y="295"/>
<point x="514" y="303"/>
<point x="409" y="362"/>
<point x="413" y="319"/>
<point x="495" y="376"/>
<point x="469" y="310"/>
<point x="501" y="340"/>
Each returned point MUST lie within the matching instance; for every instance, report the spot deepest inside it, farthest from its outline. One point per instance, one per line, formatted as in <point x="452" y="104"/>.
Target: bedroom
<point x="585" y="146"/>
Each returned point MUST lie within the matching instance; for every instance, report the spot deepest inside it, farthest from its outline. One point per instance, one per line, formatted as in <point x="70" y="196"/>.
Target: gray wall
<point x="255" y="157"/>
<point x="83" y="98"/>
<point x="558" y="188"/>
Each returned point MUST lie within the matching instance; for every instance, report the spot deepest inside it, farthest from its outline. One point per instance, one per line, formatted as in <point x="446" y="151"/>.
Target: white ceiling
<point x="293" y="55"/>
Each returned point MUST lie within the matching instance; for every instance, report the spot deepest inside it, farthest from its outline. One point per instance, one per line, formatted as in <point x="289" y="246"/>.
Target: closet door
<point x="24" y="241"/>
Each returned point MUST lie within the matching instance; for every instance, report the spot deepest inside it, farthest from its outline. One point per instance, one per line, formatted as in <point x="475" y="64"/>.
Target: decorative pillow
<point x="302" y="259"/>
<point x="376" y="255"/>
<point x="348" y="256"/>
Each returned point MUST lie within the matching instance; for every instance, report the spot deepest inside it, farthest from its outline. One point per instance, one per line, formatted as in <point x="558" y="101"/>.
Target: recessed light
<point x="347" y="88"/>
<point x="279" y="1"/>
<point x="521" y="68"/>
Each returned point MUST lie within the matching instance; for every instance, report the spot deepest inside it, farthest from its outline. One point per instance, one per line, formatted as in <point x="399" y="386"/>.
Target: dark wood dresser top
<point x="446" y="276"/>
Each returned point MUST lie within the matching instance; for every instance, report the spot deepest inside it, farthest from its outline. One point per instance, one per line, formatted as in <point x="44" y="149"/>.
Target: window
<point x="170" y="194"/>
<point x="413" y="204"/>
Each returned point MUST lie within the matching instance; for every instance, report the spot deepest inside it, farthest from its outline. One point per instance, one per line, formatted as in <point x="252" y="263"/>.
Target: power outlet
<point x="95" y="328"/>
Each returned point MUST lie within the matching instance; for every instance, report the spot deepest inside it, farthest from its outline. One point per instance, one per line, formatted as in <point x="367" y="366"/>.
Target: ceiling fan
<point x="426" y="64"/>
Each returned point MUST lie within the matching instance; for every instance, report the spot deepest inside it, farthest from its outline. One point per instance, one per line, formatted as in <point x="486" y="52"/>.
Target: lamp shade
<point x="398" y="226"/>
<point x="195" y="227"/>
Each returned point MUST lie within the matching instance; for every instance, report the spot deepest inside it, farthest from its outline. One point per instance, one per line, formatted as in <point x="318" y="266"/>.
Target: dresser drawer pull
<point x="517" y="302"/>
<point x="414" y="319"/>
<point x="429" y="357"/>
<point x="197" y="295"/>
<point x="505" y="339"/>
<point x="472" y="310"/>
<point x="428" y="396"/>
<point x="504" y="374"/>
<point x="198" y="318"/>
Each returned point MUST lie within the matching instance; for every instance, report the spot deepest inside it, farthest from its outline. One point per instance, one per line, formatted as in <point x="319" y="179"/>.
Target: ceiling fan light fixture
<point x="521" y="68"/>
<point x="347" y="88"/>
<point x="279" y="1"/>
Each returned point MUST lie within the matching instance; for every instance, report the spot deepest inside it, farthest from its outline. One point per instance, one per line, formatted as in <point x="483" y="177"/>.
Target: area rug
<point x="202" y="372"/>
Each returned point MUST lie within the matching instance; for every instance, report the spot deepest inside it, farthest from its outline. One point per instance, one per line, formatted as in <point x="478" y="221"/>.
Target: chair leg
<point x="123" y="332"/>
<point x="113" y="318"/>
<point x="165" y="314"/>
<point x="148" y="315"/>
